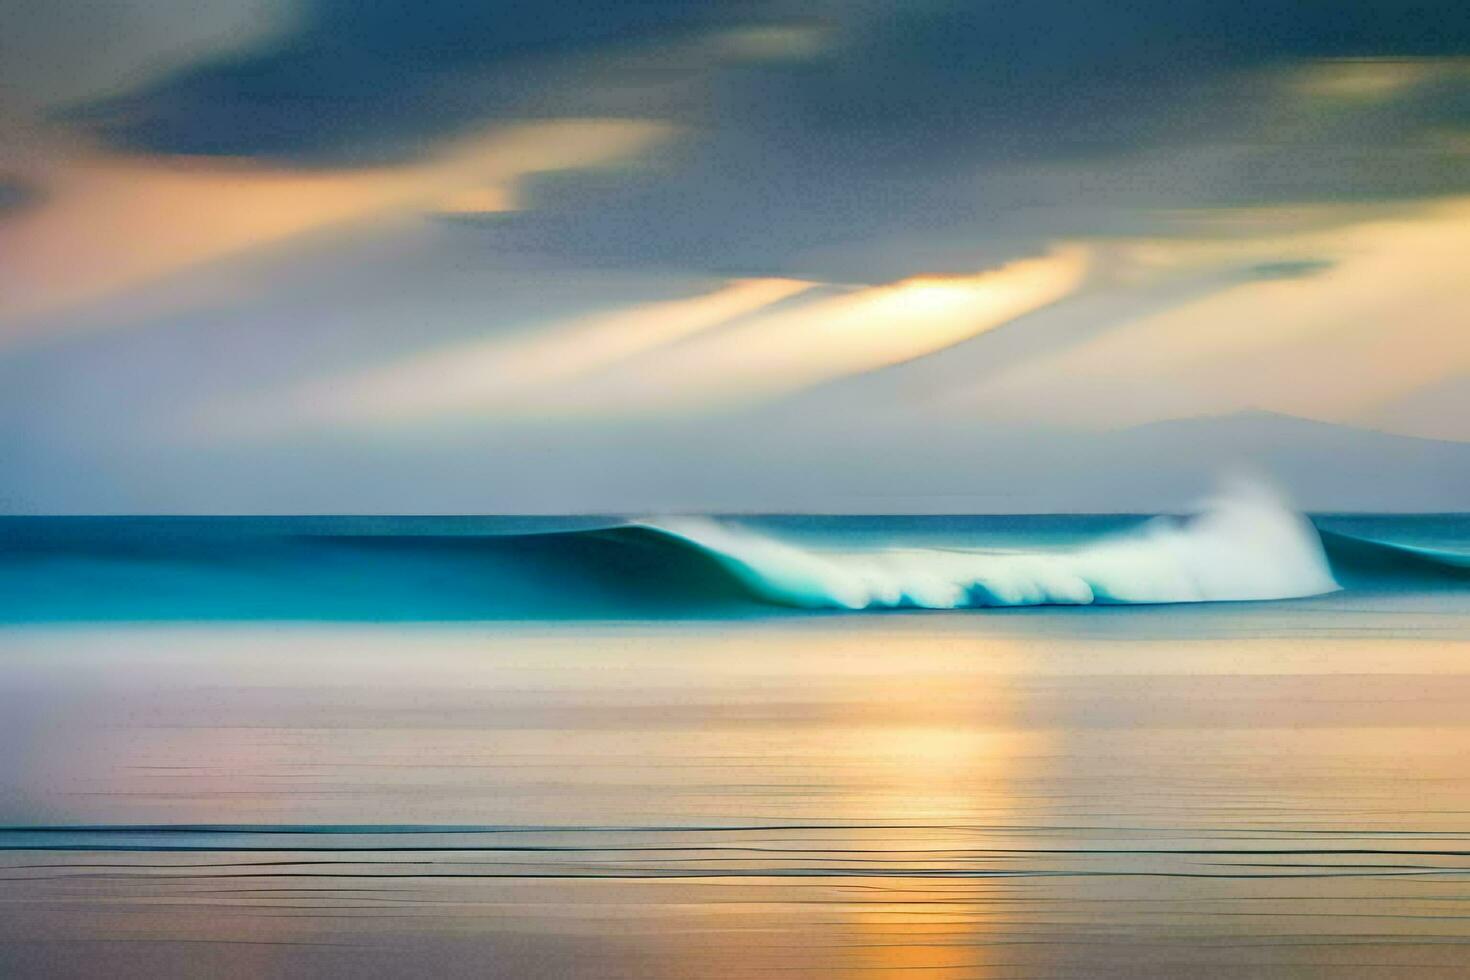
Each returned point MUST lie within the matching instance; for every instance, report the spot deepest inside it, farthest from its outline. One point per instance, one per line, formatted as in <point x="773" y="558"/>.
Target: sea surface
<point x="749" y="747"/>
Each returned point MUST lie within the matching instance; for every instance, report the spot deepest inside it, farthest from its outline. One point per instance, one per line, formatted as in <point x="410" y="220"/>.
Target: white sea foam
<point x="1245" y="543"/>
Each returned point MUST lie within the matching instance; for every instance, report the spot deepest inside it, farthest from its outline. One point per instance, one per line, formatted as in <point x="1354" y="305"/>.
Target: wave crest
<point x="1245" y="544"/>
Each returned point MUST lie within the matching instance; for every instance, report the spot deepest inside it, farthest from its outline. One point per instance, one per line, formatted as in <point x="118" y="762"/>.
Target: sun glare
<point x="928" y="297"/>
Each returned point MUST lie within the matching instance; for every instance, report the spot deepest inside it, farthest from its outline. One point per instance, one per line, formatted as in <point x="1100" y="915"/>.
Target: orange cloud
<point x="790" y="349"/>
<point x="114" y="222"/>
<point x="1383" y="320"/>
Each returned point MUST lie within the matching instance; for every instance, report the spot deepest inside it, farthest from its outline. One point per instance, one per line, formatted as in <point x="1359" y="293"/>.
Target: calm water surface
<point x="1277" y="789"/>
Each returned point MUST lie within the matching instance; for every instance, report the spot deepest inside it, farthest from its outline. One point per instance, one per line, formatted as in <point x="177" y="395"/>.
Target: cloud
<point x="413" y="342"/>
<point x="1289" y="269"/>
<point x="17" y="195"/>
<point x="806" y="192"/>
<point x="367" y="84"/>
<point x="1185" y="206"/>
<point x="501" y="374"/>
<point x="54" y="52"/>
<point x="791" y="349"/>
<point x="741" y="344"/>
<point x="829" y="199"/>
<point x="116" y="222"/>
<point x="1379" y="324"/>
<point x="856" y="142"/>
<point x="1366" y="79"/>
<point x="968" y="84"/>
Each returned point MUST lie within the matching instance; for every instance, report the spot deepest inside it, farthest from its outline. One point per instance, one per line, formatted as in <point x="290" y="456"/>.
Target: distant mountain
<point x="1324" y="466"/>
<point x="1164" y="466"/>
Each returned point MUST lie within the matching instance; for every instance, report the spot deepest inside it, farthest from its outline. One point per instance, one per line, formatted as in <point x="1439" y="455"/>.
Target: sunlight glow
<point x="1381" y="320"/>
<point x="807" y="344"/>
<point x="502" y="371"/>
<point x="113" y="222"/>
<point x="667" y="354"/>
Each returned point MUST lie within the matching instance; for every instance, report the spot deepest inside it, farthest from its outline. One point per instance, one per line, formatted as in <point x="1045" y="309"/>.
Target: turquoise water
<point x="427" y="569"/>
<point x="346" y="747"/>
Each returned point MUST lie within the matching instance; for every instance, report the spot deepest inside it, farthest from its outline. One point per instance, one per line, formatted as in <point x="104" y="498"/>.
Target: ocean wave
<point x="1245" y="544"/>
<point x="1371" y="561"/>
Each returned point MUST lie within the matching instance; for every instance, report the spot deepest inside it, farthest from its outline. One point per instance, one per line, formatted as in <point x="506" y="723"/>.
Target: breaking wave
<point x="1245" y="544"/>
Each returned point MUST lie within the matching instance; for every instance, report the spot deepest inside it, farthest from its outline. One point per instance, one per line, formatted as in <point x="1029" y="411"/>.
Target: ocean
<point x="1236" y="745"/>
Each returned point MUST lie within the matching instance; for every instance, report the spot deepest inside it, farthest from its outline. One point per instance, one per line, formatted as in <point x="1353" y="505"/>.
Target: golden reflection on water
<point x="743" y="800"/>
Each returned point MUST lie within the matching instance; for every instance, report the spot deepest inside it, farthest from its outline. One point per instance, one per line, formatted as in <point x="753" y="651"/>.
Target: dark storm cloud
<point x="383" y="80"/>
<point x="953" y="136"/>
<point x="17" y="195"/>
<point x="1057" y="78"/>
<point x="926" y="120"/>
<point x="360" y="78"/>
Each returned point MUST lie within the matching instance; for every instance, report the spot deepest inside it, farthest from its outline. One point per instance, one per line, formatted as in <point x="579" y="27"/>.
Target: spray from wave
<point x="1245" y="543"/>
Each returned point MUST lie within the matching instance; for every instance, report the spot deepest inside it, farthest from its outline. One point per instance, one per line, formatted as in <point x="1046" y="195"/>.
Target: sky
<point x="368" y="256"/>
